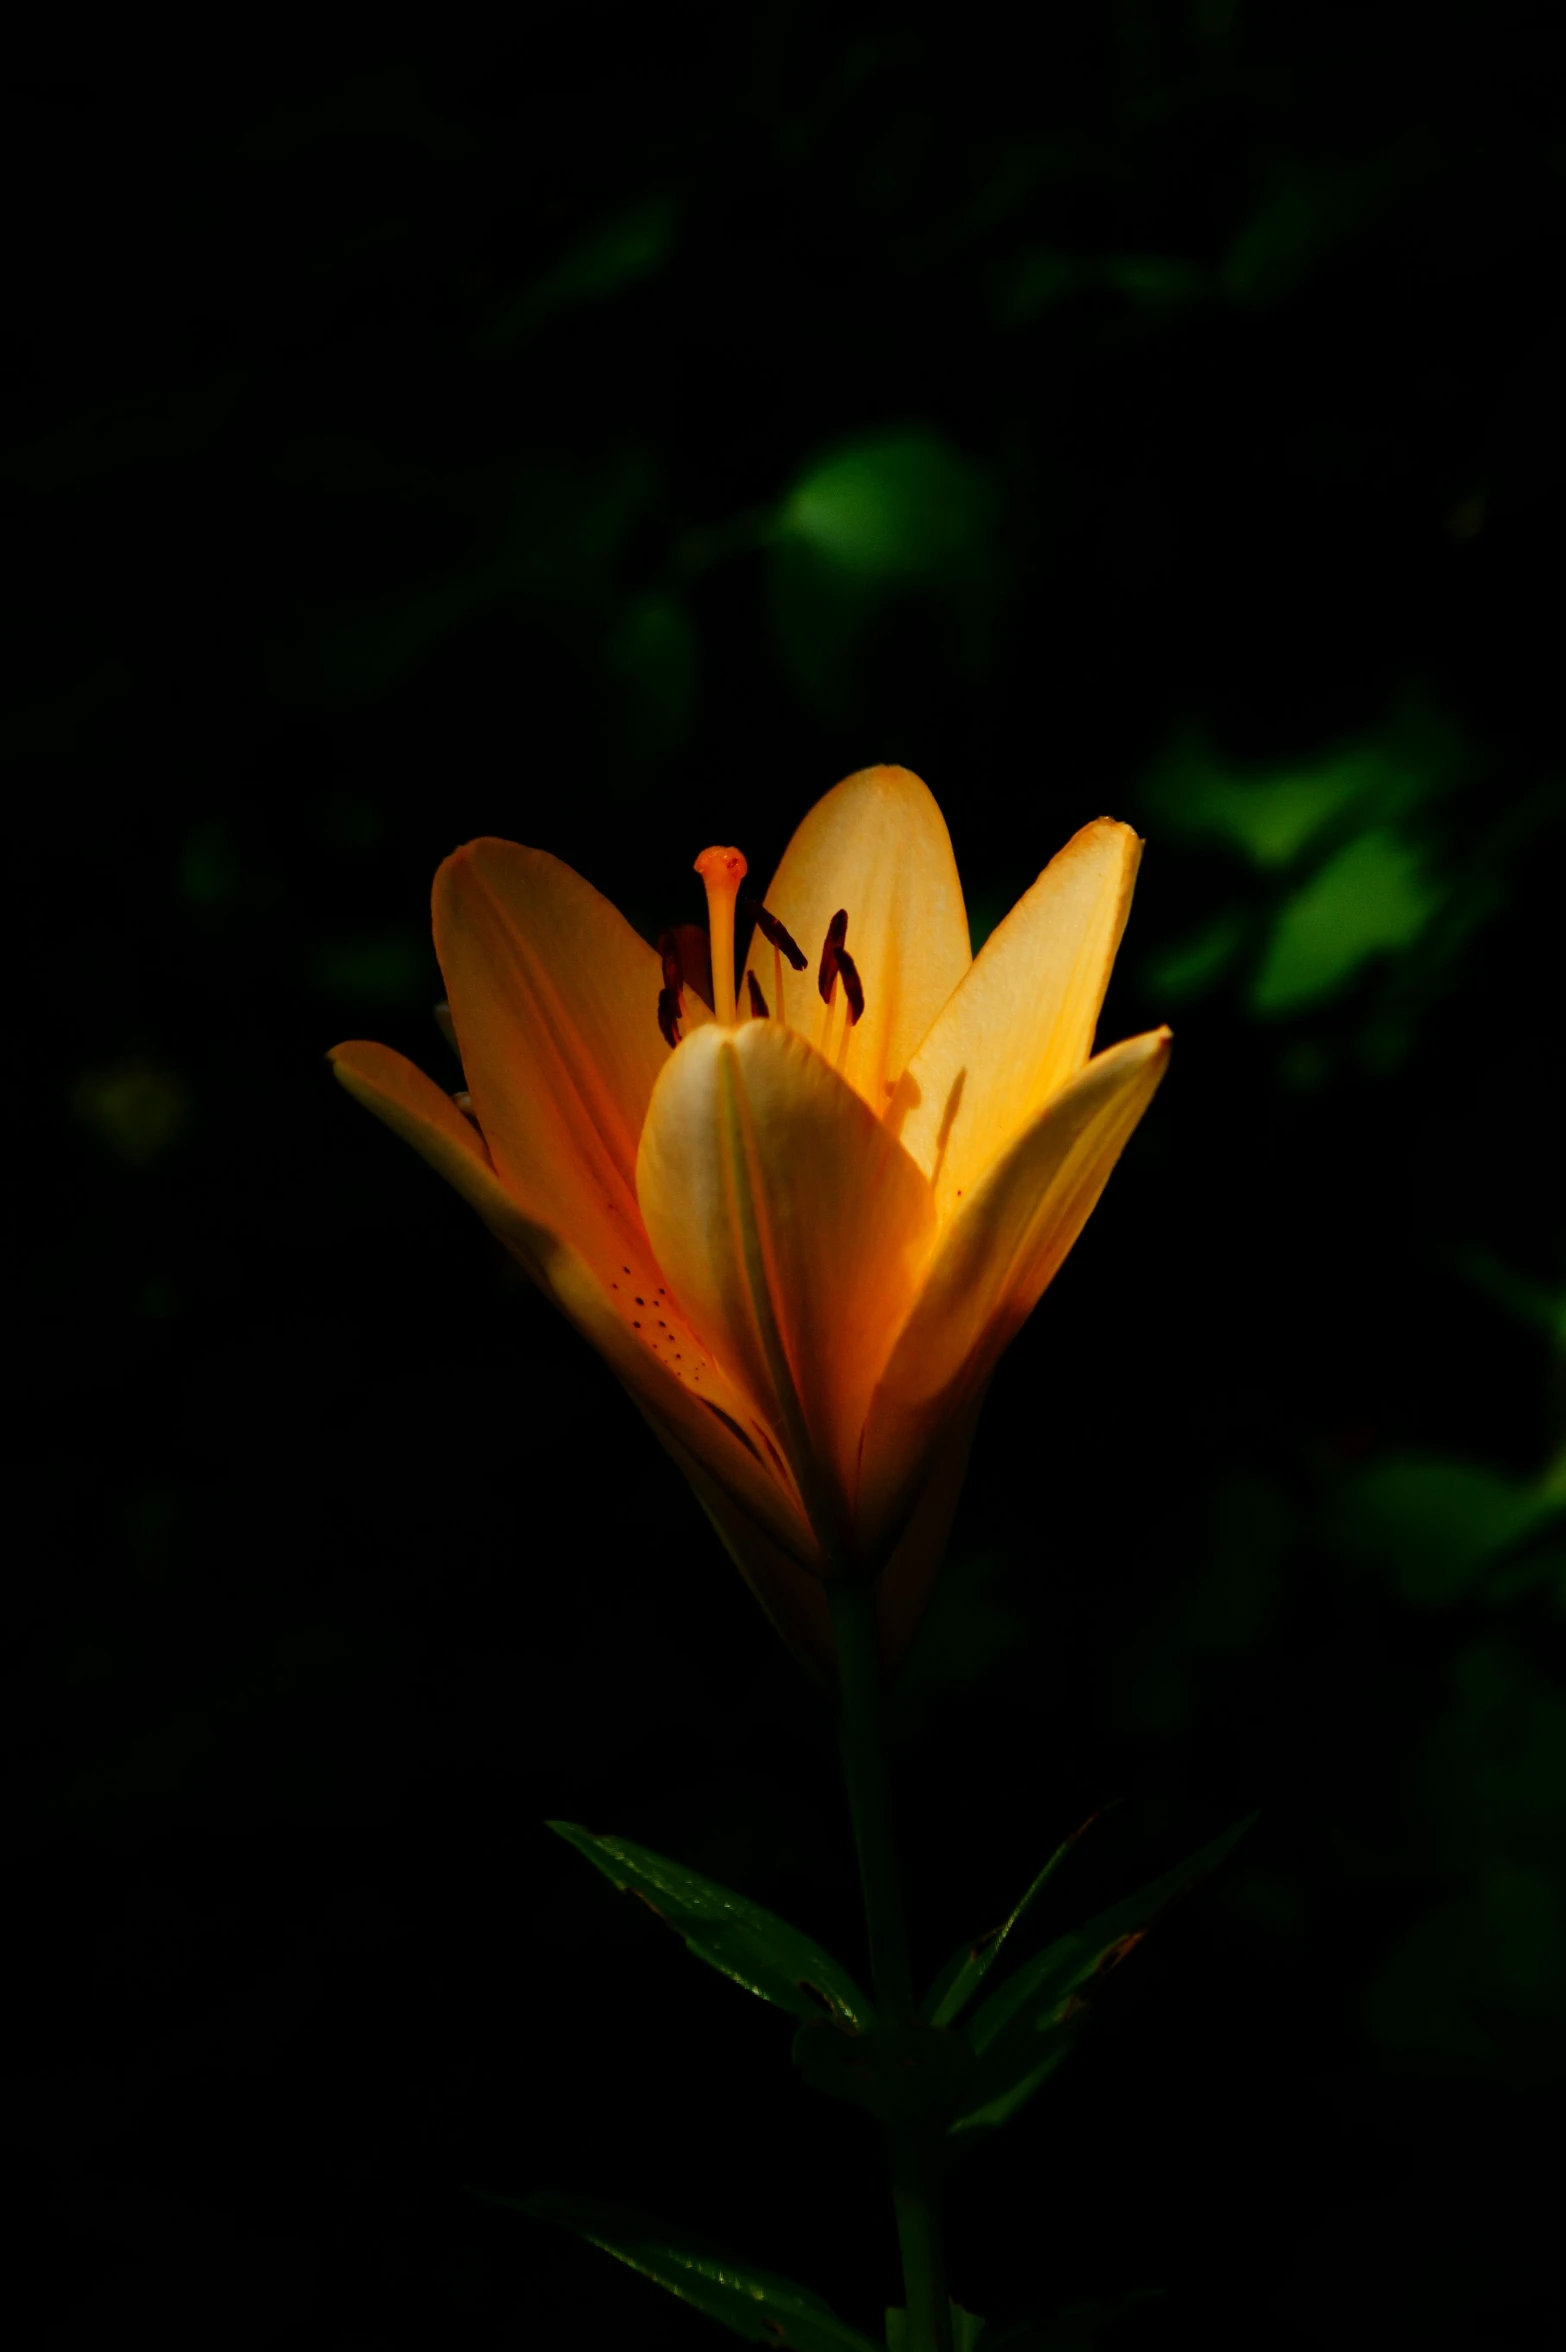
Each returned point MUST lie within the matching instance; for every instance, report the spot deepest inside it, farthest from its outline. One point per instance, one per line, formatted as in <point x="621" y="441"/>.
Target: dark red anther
<point x="837" y="932"/>
<point x="773" y="932"/>
<point x="695" y="953"/>
<point x="853" y="986"/>
<point x="669" y="995"/>
<point x="758" y="1003"/>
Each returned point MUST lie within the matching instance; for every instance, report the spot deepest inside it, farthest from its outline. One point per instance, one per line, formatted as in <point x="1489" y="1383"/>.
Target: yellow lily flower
<point x="801" y="1227"/>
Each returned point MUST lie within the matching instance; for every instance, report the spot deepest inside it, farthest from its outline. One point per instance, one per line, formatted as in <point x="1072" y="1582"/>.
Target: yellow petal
<point x="1003" y="1245"/>
<point x="1020" y="1026"/>
<point x="629" y="1319"/>
<point x="555" y="1003"/>
<point x="877" y="845"/>
<point x="792" y="1229"/>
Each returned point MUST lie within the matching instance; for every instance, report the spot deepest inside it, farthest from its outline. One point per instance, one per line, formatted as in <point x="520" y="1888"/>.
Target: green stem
<point x="916" y="2200"/>
<point x="913" y="2153"/>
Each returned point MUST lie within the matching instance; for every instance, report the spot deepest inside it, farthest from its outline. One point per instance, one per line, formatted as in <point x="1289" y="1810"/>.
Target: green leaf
<point x="891" y="515"/>
<point x="992" y="2112"/>
<point x="1438" y="1524"/>
<point x="756" y="2304"/>
<point x="967" y="2332"/>
<point x="753" y="1946"/>
<point x="971" y="1963"/>
<point x="902" y="505"/>
<point x="1269" y="818"/>
<point x="1017" y="2036"/>
<point x="1373" y="898"/>
<point x="621" y="252"/>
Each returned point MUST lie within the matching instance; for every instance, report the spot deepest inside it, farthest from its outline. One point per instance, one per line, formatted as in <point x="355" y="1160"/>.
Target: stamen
<point x="758" y="1003"/>
<point x="774" y="931"/>
<point x="837" y="932"/>
<point x="722" y="870"/>
<point x="853" y="986"/>
<point x="837" y="963"/>
<point x="695" y="959"/>
<point x="669" y="995"/>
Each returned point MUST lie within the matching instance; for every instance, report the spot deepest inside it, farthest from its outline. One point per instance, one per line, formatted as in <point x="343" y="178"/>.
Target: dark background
<point x="608" y="432"/>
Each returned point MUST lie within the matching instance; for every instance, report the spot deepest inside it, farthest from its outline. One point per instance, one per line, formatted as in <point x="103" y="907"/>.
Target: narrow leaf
<point x="753" y="1946"/>
<point x="1043" y="1996"/>
<point x="755" y="2304"/>
<point x="1003" y="2104"/>
<point x="971" y="1963"/>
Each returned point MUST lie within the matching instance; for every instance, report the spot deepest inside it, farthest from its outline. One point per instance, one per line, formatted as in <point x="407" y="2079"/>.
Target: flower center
<point x="723" y="870"/>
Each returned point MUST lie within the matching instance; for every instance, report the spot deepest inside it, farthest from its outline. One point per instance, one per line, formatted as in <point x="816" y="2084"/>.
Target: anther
<point x="837" y="932"/>
<point x="775" y="933"/>
<point x="835" y="962"/>
<point x="758" y="1003"/>
<point x="691" y="945"/>
<point x="669" y="995"/>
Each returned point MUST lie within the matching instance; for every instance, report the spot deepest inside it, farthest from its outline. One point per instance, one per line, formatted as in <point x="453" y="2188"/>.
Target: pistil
<point x="722" y="870"/>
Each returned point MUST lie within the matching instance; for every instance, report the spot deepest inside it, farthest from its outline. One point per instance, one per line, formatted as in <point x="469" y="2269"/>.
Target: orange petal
<point x="1020" y="1026"/>
<point x="555" y="1003"/>
<point x="793" y="1230"/>
<point x="1003" y="1245"/>
<point x="877" y="846"/>
<point x="630" y="1320"/>
<point x="690" y="1398"/>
